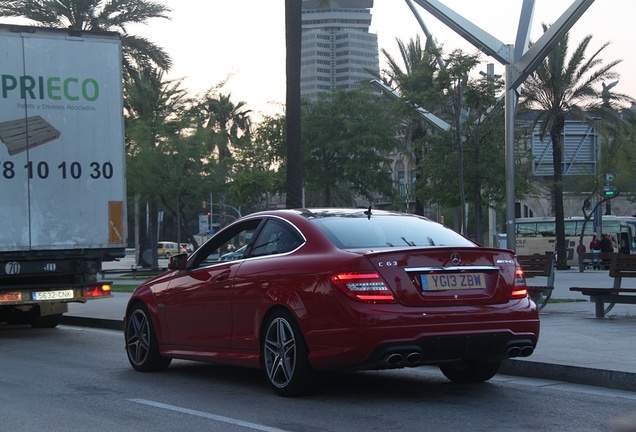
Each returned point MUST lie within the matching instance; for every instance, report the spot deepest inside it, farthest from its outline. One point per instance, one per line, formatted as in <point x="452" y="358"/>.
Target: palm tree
<point x="563" y="87"/>
<point x="224" y="126"/>
<point x="229" y="122"/>
<point x="414" y="76"/>
<point x="154" y="108"/>
<point x="100" y="15"/>
<point x="412" y="56"/>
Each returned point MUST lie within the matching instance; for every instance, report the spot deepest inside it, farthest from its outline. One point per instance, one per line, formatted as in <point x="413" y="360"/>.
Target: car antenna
<point x="368" y="213"/>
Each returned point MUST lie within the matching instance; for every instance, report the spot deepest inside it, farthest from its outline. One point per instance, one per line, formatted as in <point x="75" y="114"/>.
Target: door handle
<point x="223" y="276"/>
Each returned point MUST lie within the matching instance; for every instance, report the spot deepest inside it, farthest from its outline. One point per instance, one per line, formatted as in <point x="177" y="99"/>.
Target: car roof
<point x="311" y="213"/>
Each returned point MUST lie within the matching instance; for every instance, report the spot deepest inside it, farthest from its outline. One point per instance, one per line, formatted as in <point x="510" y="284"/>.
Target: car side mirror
<point x="178" y="262"/>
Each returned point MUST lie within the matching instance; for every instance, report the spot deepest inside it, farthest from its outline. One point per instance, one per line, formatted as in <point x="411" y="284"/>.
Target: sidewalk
<point x="574" y="346"/>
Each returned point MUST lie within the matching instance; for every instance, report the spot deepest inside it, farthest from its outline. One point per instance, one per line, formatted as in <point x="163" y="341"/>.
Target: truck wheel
<point x="285" y="353"/>
<point x="470" y="371"/>
<point x="142" y="346"/>
<point x="46" y="321"/>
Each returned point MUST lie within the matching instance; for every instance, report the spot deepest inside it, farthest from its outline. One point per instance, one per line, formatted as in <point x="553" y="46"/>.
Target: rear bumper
<point x="440" y="349"/>
<point x="484" y="335"/>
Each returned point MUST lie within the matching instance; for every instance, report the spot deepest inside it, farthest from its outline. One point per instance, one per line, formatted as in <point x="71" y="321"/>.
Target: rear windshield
<point x="351" y="232"/>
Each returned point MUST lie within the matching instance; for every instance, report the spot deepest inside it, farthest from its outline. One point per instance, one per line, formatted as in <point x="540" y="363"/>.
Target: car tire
<point x="470" y="371"/>
<point x="142" y="347"/>
<point x="167" y="255"/>
<point x="285" y="357"/>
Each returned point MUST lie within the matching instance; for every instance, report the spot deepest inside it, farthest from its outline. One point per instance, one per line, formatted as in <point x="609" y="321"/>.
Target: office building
<point x="338" y="52"/>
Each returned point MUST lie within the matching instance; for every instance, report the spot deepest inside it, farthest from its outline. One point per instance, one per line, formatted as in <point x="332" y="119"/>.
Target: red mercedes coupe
<point x="301" y="292"/>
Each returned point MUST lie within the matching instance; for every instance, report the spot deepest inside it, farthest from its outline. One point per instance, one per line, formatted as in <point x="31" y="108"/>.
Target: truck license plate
<point x="53" y="295"/>
<point x="453" y="281"/>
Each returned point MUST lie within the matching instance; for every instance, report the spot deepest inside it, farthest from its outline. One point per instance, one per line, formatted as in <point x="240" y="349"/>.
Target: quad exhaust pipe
<point x="401" y="360"/>
<point x="394" y="359"/>
<point x="520" y="351"/>
<point x="413" y="358"/>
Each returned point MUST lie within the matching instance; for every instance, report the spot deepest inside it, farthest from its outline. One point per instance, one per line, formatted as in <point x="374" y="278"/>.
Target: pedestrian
<point x="580" y="250"/>
<point x="606" y="248"/>
<point x="595" y="244"/>
<point x="607" y="245"/>
<point x="595" y="248"/>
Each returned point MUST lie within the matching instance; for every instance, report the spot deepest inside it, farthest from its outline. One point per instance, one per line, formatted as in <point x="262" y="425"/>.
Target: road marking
<point x="208" y="416"/>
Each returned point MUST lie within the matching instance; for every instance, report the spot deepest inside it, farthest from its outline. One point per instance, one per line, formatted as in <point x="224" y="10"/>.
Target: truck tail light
<point x="364" y="287"/>
<point x="520" y="290"/>
<point x="102" y="290"/>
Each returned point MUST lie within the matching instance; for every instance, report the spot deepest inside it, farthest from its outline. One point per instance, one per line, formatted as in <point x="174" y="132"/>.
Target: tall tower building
<point x="338" y="52"/>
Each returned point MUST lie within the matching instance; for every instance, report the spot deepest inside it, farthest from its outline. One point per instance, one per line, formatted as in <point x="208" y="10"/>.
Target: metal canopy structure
<point x="516" y="71"/>
<point x="427" y="116"/>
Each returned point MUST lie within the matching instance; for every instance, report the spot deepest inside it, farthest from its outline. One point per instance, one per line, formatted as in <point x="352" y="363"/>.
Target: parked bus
<point x="538" y="235"/>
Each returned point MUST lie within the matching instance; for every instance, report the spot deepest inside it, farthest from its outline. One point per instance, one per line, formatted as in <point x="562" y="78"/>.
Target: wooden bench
<point x="539" y="265"/>
<point x="621" y="266"/>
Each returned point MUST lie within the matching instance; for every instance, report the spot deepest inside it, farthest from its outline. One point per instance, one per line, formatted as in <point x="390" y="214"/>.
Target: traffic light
<point x="609" y="191"/>
<point x="441" y="219"/>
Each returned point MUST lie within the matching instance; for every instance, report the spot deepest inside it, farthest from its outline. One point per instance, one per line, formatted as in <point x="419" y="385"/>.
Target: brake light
<point x="520" y="289"/>
<point x="365" y="287"/>
<point x="97" y="291"/>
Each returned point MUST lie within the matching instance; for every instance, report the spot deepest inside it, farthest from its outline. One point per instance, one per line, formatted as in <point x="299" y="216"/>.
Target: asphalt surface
<point x="574" y="346"/>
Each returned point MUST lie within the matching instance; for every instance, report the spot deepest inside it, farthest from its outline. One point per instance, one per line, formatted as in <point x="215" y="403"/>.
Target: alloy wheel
<point x="280" y="352"/>
<point x="138" y="338"/>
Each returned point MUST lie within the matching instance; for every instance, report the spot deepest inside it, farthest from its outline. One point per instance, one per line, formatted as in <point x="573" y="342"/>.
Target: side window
<point x="228" y="245"/>
<point x="276" y="238"/>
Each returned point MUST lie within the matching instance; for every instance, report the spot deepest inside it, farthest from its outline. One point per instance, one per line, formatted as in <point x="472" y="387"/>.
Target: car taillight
<point x="102" y="290"/>
<point x="366" y="287"/>
<point x="520" y="290"/>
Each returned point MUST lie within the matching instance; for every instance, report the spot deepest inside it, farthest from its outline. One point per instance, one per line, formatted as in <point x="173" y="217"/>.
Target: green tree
<point x="569" y="85"/>
<point x="619" y="154"/>
<point x="229" y="122"/>
<point x="100" y="15"/>
<point x="458" y="67"/>
<point x="345" y="135"/>
<point x="224" y="127"/>
<point x="156" y="153"/>
<point x="414" y="76"/>
<point x="466" y="163"/>
<point x="259" y="170"/>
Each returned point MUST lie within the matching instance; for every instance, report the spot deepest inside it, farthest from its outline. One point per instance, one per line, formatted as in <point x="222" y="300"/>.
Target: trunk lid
<point x="438" y="277"/>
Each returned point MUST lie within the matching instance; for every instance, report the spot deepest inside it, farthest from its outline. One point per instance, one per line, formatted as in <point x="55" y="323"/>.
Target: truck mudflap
<point x="19" y="295"/>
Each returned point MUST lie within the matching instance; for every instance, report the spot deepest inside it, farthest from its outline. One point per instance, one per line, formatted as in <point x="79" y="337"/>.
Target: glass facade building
<point x="338" y="52"/>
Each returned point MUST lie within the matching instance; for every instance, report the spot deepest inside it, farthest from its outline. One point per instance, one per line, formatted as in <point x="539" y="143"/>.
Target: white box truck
<point x="62" y="169"/>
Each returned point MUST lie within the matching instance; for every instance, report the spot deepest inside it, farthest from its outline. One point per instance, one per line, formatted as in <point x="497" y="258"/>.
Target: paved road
<point x="573" y="346"/>
<point x="79" y="379"/>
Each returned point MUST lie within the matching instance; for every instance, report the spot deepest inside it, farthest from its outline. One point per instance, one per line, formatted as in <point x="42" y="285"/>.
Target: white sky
<point x="210" y="39"/>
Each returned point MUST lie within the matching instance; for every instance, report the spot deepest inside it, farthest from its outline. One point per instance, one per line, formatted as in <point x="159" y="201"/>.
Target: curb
<point x="514" y="367"/>
<point x="571" y="374"/>
<point x="106" y="324"/>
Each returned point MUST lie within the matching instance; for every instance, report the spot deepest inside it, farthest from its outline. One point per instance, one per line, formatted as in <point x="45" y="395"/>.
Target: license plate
<point x="53" y="295"/>
<point x="453" y="281"/>
<point x="10" y="296"/>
